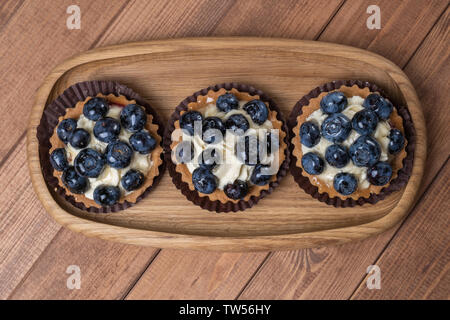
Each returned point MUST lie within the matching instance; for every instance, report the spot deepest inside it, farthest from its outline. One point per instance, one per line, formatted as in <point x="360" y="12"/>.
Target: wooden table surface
<point x="35" y="252"/>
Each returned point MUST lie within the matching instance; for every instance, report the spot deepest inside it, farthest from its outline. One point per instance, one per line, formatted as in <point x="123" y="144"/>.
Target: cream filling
<point x="381" y="134"/>
<point x="109" y="176"/>
<point x="231" y="167"/>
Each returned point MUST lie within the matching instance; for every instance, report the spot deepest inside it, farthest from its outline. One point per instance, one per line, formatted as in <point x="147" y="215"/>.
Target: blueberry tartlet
<point x="226" y="147"/>
<point x="349" y="144"/>
<point x="106" y="151"/>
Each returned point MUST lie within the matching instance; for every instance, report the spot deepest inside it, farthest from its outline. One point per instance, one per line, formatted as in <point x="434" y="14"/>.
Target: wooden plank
<point x="36" y="280"/>
<point x="26" y="229"/>
<point x="107" y="269"/>
<point x="7" y="10"/>
<point x="336" y="271"/>
<point x="33" y="42"/>
<point x="176" y="274"/>
<point x="416" y="263"/>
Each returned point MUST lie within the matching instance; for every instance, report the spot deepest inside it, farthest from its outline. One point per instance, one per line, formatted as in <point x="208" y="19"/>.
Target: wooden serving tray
<point x="164" y="73"/>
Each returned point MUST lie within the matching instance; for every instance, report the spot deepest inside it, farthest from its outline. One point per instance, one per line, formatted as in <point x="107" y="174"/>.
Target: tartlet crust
<point x="395" y="120"/>
<point x="219" y="195"/>
<point x="155" y="156"/>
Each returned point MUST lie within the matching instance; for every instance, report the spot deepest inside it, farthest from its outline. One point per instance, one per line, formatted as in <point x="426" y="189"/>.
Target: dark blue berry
<point x="312" y="163"/>
<point x="380" y="173"/>
<point x="204" y="181"/>
<point x="133" y="118"/>
<point x="259" y="175"/>
<point x="213" y="130"/>
<point x="65" y="129"/>
<point x="142" y="142"/>
<point x="365" y="122"/>
<point x="336" y="127"/>
<point x="257" y="110"/>
<point x="132" y="180"/>
<point x="209" y="158"/>
<point x="381" y="106"/>
<point x="188" y="119"/>
<point x="333" y="102"/>
<point x="96" y="108"/>
<point x="365" y="151"/>
<point x="80" y="138"/>
<point x="89" y="163"/>
<point x="106" y="195"/>
<point x="337" y="155"/>
<point x="396" y="141"/>
<point x="237" y="123"/>
<point x="58" y="159"/>
<point x="345" y="183"/>
<point x="309" y="134"/>
<point x="184" y="152"/>
<point x="236" y="190"/>
<point x="118" y="154"/>
<point x="227" y="102"/>
<point x="247" y="150"/>
<point x="74" y="182"/>
<point x="107" y="129"/>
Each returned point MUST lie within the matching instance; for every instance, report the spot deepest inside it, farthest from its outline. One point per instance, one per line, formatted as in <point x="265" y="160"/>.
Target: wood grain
<point x="343" y="268"/>
<point x="416" y="264"/>
<point x="177" y="23"/>
<point x="210" y="276"/>
<point x="139" y="29"/>
<point x="298" y="222"/>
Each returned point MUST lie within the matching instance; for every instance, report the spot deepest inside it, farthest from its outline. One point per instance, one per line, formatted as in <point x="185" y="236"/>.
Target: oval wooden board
<point x="164" y="73"/>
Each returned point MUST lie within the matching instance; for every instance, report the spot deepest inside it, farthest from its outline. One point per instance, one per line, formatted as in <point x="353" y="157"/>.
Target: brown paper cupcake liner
<point x="396" y="184"/>
<point x="204" y="201"/>
<point x="50" y="119"/>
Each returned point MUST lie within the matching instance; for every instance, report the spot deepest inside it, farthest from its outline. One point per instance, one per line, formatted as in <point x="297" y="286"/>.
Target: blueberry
<point x="257" y="110"/>
<point x="65" y="129"/>
<point x="58" y="159"/>
<point x="380" y="173"/>
<point x="309" y="134"/>
<point x="106" y="195"/>
<point x="89" y="163"/>
<point x="236" y="190"/>
<point x="365" y="121"/>
<point x="227" y="102"/>
<point x="396" y="141"/>
<point x="204" y="181"/>
<point x="378" y="104"/>
<point x="345" y="183"/>
<point x="258" y="177"/>
<point x="80" y="138"/>
<point x="188" y="119"/>
<point x="118" y="154"/>
<point x="337" y="155"/>
<point x="247" y="150"/>
<point x="333" y="102"/>
<point x="365" y="151"/>
<point x="74" y="182"/>
<point x="237" y="123"/>
<point x="210" y="127"/>
<point x="209" y="158"/>
<point x="133" y="118"/>
<point x="336" y="127"/>
<point x="107" y="129"/>
<point x="96" y="108"/>
<point x="132" y="180"/>
<point x="312" y="163"/>
<point x="272" y="146"/>
<point x="142" y="142"/>
<point x="184" y="152"/>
